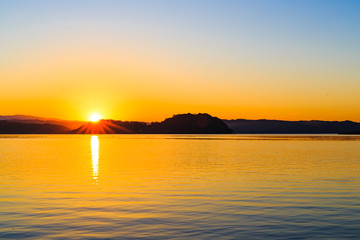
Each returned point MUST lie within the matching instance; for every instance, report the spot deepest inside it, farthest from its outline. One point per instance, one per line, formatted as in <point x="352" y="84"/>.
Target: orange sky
<point x="67" y="60"/>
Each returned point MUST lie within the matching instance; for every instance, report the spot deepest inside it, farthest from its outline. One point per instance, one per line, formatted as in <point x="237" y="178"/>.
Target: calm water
<point x="179" y="187"/>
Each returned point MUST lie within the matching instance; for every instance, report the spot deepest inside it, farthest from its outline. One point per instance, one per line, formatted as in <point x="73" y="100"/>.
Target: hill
<point x="8" y="127"/>
<point x="40" y="120"/>
<point x="278" y="126"/>
<point x="201" y="123"/>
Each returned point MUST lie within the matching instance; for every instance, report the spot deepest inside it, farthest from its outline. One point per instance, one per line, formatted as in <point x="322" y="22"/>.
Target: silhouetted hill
<point x="277" y="126"/>
<point x="40" y="120"/>
<point x="178" y="124"/>
<point x="350" y="133"/>
<point x="109" y="127"/>
<point x="201" y="123"/>
<point x="8" y="127"/>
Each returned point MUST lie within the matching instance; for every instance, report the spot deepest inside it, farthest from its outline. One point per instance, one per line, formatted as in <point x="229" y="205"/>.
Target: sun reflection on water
<point x="95" y="157"/>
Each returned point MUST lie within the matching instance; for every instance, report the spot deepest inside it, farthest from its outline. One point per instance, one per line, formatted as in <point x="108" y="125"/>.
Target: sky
<point x="147" y="60"/>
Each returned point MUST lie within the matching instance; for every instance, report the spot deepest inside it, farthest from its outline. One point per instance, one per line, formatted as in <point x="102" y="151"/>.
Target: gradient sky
<point x="147" y="60"/>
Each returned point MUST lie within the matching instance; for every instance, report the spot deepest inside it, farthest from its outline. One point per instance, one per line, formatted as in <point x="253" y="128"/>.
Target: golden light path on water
<point x="95" y="157"/>
<point x="188" y="186"/>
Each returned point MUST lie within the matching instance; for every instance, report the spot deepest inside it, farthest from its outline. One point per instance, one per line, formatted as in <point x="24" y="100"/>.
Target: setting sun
<point x="95" y="117"/>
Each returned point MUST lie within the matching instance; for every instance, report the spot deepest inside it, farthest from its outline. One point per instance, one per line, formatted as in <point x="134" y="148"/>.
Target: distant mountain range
<point x="40" y="120"/>
<point x="278" y="126"/>
<point x="9" y="127"/>
<point x="178" y="124"/>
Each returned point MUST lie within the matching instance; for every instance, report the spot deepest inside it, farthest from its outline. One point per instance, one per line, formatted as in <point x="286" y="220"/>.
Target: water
<point x="179" y="187"/>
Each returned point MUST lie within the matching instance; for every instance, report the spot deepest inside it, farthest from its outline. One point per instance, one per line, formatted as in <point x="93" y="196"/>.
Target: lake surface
<point x="179" y="187"/>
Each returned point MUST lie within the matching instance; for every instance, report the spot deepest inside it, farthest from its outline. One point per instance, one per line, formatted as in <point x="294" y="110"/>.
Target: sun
<point x="95" y="117"/>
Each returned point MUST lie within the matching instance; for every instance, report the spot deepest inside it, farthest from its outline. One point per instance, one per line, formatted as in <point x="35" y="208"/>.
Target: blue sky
<point x="305" y="53"/>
